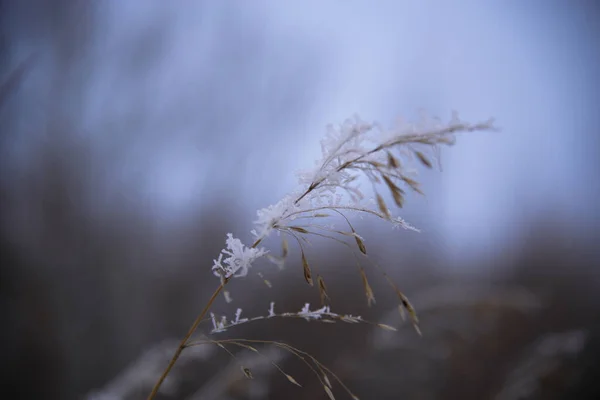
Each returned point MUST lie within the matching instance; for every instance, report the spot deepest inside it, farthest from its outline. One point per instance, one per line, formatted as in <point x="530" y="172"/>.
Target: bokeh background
<point x="135" y="134"/>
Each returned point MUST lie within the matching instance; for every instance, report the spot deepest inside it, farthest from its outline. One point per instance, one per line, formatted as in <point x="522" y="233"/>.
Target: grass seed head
<point x="392" y="161"/>
<point x="306" y="268"/>
<point x="247" y="372"/>
<point x="360" y="243"/>
<point x="367" y="287"/>
<point x="382" y="207"/>
<point x="424" y="160"/>
<point x="322" y="290"/>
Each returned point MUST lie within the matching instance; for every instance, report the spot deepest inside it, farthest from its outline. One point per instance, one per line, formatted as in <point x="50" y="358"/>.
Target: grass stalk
<point x="185" y="340"/>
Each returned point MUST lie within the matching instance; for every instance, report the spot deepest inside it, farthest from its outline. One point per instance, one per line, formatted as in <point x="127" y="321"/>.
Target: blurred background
<point x="135" y="134"/>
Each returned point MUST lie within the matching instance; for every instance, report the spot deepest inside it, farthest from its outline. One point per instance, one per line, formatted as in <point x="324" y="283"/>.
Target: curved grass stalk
<point x="185" y="340"/>
<point x="347" y="151"/>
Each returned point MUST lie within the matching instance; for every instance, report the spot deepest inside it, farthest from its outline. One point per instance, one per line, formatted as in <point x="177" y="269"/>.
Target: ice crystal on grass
<point x="238" y="258"/>
<point x="323" y="314"/>
<point x="331" y="188"/>
<point x="307" y="314"/>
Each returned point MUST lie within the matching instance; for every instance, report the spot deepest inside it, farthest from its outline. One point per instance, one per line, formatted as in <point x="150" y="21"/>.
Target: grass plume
<point x="353" y="151"/>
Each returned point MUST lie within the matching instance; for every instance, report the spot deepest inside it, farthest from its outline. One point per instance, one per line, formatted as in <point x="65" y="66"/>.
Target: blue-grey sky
<point x="184" y="101"/>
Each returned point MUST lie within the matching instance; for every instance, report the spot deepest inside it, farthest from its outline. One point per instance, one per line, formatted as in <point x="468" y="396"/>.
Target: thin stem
<point x="185" y="340"/>
<point x="193" y="328"/>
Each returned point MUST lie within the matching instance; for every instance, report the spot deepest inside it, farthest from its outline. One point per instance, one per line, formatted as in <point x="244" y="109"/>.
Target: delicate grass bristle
<point x="298" y="354"/>
<point x="325" y="370"/>
<point x="243" y="344"/>
<point x="322" y="368"/>
<point x="314" y="365"/>
<point x="333" y="238"/>
<point x="321" y="371"/>
<point x="273" y="363"/>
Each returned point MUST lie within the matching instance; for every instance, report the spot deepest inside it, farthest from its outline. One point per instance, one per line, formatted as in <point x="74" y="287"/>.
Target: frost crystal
<point x="272" y="215"/>
<point x="272" y="309"/>
<point x="307" y="314"/>
<point x="218" y="326"/>
<point x="237" y="319"/>
<point x="339" y="145"/>
<point x="238" y="260"/>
